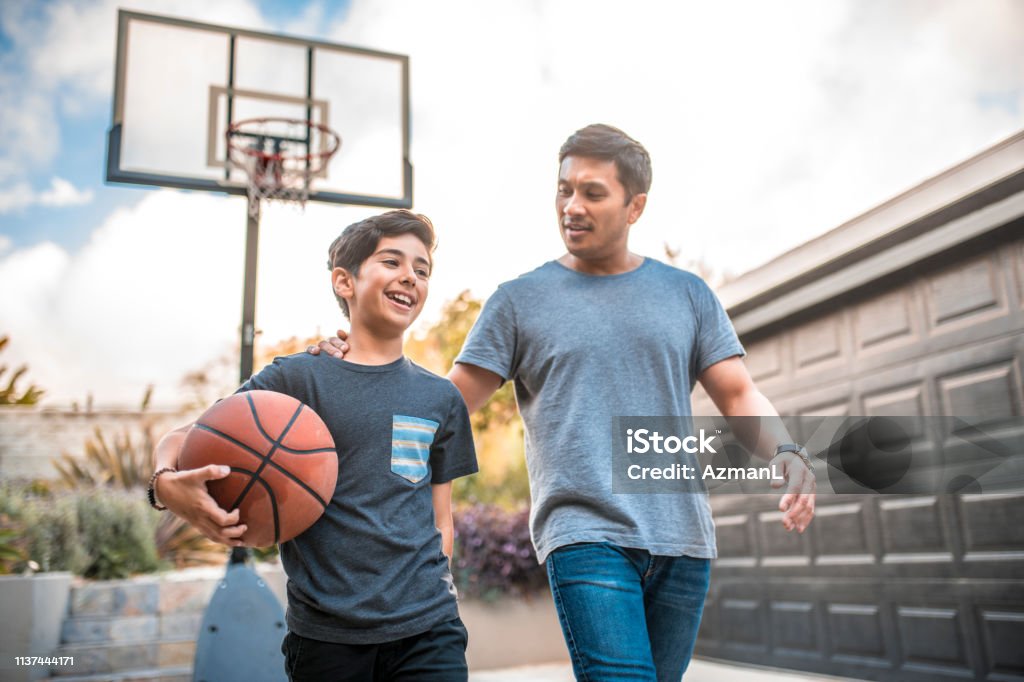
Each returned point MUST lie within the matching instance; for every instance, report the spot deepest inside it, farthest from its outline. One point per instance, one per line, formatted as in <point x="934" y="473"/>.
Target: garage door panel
<point x="966" y="293"/>
<point x="891" y="587"/>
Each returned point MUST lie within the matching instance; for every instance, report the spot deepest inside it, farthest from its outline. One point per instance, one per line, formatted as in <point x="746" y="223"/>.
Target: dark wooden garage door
<point x="886" y="587"/>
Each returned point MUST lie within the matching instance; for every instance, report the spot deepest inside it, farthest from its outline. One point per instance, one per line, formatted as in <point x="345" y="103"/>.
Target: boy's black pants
<point x="437" y="655"/>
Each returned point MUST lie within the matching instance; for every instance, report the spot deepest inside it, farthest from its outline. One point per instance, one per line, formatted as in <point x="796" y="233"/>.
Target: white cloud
<point x="768" y="123"/>
<point x="142" y="302"/>
<point x="60" y="193"/>
<point x="157" y="292"/>
<point x="63" y="193"/>
<point x="62" y="63"/>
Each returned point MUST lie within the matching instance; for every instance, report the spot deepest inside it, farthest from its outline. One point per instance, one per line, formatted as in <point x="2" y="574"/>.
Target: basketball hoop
<point x="280" y="157"/>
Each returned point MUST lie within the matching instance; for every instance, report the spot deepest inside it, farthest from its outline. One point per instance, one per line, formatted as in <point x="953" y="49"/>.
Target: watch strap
<point x="797" y="450"/>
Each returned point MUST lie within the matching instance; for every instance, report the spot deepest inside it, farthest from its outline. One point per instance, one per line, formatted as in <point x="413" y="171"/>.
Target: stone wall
<point x="30" y="437"/>
<point x="146" y="627"/>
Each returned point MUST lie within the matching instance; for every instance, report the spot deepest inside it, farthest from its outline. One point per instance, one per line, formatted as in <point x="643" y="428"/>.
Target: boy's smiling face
<point x="388" y="293"/>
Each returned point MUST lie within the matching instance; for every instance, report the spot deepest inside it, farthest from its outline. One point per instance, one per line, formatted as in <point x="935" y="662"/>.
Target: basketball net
<point x="274" y="154"/>
<point x="269" y="179"/>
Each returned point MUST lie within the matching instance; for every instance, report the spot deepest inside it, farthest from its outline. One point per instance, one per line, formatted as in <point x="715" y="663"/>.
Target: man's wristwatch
<point x="151" y="489"/>
<point x="798" y="450"/>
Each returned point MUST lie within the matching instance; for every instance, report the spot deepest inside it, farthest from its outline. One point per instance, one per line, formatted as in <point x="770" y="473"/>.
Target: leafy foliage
<point x="119" y="529"/>
<point x="494" y="556"/>
<point x="182" y="545"/>
<point x="496" y="426"/>
<point x="12" y="545"/>
<point x="10" y="394"/>
<point x="125" y="462"/>
<point x="437" y="348"/>
<point x="100" y="533"/>
<point x="53" y="535"/>
<point x="507" y="487"/>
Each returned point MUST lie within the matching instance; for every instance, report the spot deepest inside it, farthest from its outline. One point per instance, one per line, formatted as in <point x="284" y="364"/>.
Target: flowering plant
<point x="494" y="556"/>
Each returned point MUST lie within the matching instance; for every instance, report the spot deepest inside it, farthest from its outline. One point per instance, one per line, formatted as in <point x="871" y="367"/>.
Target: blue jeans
<point x="625" y="614"/>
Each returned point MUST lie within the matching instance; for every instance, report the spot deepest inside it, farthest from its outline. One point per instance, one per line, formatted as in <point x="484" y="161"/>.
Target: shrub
<point x="100" y="533"/>
<point x="494" y="556"/>
<point x="52" y="534"/>
<point x="11" y="394"/>
<point x="119" y="529"/>
<point x="182" y="545"/>
<point x="12" y="551"/>
<point x="125" y="461"/>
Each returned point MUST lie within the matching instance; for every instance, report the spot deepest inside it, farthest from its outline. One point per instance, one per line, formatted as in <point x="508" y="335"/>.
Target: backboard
<point x="179" y="85"/>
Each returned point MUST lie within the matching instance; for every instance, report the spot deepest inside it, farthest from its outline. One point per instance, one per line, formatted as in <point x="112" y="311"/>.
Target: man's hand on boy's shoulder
<point x="334" y="346"/>
<point x="184" y="493"/>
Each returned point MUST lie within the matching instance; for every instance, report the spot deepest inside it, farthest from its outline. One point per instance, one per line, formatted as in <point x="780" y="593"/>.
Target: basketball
<point x="284" y="467"/>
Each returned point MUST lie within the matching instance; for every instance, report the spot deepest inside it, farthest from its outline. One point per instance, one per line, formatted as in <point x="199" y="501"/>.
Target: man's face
<point x="391" y="287"/>
<point x="593" y="213"/>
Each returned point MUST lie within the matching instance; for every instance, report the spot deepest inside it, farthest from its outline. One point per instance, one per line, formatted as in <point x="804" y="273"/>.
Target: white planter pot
<point x="32" y="609"/>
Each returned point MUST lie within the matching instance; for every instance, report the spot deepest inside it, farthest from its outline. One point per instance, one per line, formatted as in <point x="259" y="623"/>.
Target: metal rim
<point x="323" y="156"/>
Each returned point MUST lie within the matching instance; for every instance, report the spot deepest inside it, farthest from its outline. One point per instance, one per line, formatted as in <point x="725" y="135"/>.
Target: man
<point x="628" y="573"/>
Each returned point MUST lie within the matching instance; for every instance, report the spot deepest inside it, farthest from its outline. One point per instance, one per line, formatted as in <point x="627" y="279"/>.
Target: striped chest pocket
<point x="411" y="438"/>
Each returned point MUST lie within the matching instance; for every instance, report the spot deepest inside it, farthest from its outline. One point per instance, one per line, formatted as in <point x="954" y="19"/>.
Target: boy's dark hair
<point x="608" y="143"/>
<point x="358" y="241"/>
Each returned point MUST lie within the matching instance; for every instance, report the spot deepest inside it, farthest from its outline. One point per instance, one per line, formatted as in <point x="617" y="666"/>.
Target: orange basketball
<point x="284" y="467"/>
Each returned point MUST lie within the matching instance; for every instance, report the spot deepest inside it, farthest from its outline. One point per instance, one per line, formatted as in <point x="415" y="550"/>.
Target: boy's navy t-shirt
<point x="371" y="569"/>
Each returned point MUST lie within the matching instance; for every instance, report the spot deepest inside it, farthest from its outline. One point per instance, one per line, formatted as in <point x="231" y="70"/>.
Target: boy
<point x="370" y="593"/>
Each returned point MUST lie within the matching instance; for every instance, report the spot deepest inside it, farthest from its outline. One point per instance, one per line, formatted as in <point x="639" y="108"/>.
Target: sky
<point x="769" y="123"/>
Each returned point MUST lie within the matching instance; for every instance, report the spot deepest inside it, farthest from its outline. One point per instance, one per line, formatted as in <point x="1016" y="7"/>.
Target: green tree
<point x="496" y="426"/>
<point x="10" y="395"/>
<point x="437" y="348"/>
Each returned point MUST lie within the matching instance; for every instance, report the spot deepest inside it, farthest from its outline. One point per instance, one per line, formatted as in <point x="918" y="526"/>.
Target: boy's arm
<point x="184" y="492"/>
<point x="442" y="494"/>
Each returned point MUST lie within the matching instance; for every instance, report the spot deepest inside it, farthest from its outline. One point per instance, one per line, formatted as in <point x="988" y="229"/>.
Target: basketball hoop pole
<point x="252" y="238"/>
<point x="279" y="166"/>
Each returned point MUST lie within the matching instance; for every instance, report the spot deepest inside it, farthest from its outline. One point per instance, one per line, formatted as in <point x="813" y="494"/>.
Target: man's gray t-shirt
<point x="371" y="569"/>
<point x="581" y="350"/>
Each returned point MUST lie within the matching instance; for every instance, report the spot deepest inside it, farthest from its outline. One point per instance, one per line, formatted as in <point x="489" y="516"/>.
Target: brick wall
<point x="31" y="437"/>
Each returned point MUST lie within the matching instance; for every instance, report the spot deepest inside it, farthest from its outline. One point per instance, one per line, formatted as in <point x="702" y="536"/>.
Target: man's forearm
<point x="476" y="384"/>
<point x="756" y="423"/>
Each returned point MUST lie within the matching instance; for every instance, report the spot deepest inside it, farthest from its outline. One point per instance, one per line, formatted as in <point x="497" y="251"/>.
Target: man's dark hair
<point x="359" y="241"/>
<point x="608" y="143"/>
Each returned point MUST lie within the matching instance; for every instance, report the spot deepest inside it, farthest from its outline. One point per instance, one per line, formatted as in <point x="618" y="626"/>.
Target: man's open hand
<point x="798" y="502"/>
<point x="334" y="346"/>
